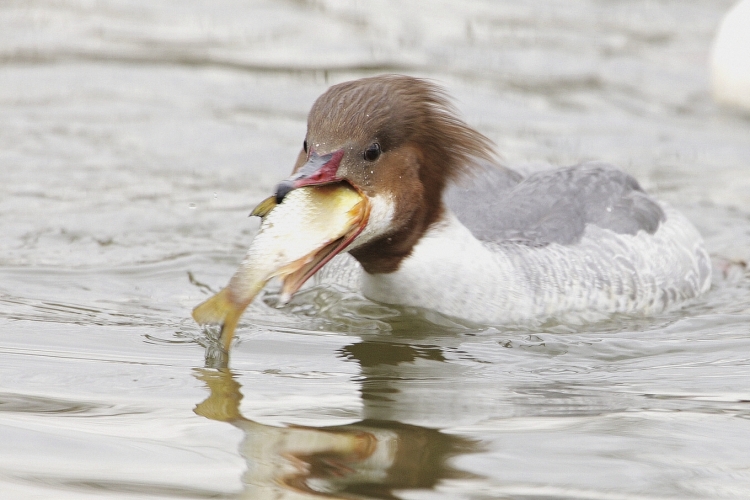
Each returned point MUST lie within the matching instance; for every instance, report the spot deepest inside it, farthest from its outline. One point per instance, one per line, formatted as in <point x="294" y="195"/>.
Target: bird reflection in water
<point x="365" y="459"/>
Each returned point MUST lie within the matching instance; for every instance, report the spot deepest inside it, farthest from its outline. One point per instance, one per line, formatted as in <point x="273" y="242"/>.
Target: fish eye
<point x="372" y="152"/>
<point x="304" y="145"/>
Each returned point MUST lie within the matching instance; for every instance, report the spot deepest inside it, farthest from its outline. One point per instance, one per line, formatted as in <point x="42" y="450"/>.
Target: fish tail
<point x="220" y="310"/>
<point x="215" y="310"/>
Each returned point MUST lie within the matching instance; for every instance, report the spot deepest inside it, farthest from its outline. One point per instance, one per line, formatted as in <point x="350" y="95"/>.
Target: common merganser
<point x="582" y="239"/>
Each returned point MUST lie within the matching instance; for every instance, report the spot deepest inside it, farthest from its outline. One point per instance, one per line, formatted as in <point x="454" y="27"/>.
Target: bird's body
<point x="543" y="250"/>
<point x="730" y="58"/>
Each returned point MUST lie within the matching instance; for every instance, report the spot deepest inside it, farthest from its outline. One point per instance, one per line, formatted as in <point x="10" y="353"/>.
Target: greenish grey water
<point x="136" y="137"/>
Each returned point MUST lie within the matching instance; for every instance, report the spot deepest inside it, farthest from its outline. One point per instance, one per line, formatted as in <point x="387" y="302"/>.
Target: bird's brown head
<point x="399" y="141"/>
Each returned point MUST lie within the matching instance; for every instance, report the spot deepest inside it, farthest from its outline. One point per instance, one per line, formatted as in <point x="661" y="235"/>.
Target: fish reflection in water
<point x="366" y="459"/>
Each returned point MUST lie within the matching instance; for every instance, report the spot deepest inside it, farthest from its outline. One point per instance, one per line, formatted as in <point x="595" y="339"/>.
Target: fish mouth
<point x="296" y="273"/>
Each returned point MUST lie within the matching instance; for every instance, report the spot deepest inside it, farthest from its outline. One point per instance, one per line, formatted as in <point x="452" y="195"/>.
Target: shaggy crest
<point x="398" y="110"/>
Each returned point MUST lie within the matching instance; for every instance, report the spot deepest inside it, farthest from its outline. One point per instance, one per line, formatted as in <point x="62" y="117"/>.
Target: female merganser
<point x="582" y="239"/>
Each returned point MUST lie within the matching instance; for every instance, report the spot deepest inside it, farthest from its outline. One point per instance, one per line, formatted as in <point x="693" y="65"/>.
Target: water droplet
<point x="192" y="206"/>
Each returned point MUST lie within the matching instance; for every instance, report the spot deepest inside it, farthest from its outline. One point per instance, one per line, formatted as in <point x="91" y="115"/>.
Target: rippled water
<point x="135" y="137"/>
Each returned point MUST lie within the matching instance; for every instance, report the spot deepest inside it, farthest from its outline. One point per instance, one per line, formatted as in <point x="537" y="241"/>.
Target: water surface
<point x="135" y="139"/>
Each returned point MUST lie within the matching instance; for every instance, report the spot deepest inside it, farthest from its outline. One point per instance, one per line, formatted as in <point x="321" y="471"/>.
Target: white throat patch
<point x="382" y="208"/>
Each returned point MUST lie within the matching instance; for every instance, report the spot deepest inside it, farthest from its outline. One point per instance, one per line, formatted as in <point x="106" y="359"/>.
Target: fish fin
<point x="264" y="207"/>
<point x="214" y="310"/>
<point x="220" y="310"/>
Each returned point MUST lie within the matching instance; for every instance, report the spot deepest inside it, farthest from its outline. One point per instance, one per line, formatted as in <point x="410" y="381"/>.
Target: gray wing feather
<point x="554" y="206"/>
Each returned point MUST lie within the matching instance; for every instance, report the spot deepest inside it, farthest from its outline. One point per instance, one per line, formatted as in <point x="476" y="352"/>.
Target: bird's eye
<point x="372" y="152"/>
<point x="304" y="145"/>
